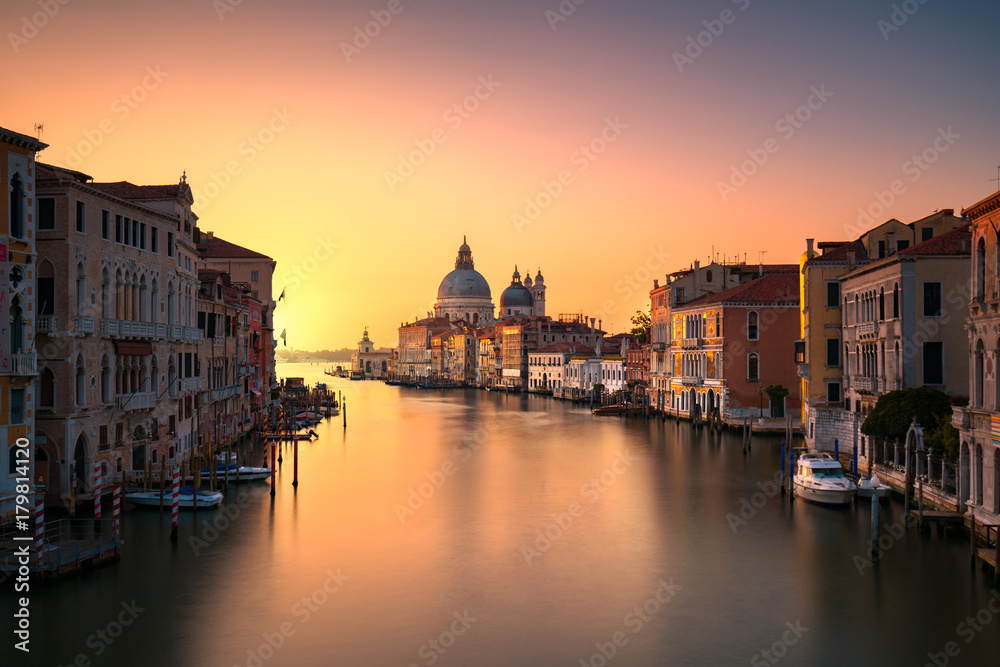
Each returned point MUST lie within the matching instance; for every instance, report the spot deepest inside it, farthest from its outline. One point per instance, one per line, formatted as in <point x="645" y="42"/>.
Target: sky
<point x="606" y="143"/>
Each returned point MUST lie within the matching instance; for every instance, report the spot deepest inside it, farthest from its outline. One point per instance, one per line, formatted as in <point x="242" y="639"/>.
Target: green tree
<point x="930" y="408"/>
<point x="640" y="328"/>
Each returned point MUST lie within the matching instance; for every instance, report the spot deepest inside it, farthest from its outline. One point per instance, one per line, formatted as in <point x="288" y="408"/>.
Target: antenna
<point x="997" y="179"/>
<point x="39" y="127"/>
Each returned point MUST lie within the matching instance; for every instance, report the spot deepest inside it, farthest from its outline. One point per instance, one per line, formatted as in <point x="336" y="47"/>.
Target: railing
<point x="84" y="325"/>
<point x="659" y="346"/>
<point x="867" y="329"/>
<point x="219" y="340"/>
<point x="138" y="401"/>
<point x="129" y="328"/>
<point x="863" y="384"/>
<point x="45" y="323"/>
<point x="23" y="364"/>
<point x="191" y="384"/>
<point x="221" y="393"/>
<point x="691" y="343"/>
<point x="803" y="370"/>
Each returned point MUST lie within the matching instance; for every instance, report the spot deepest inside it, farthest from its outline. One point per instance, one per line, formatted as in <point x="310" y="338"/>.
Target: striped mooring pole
<point x="97" y="489"/>
<point x="39" y="526"/>
<point x="116" y="511"/>
<point x="175" y="506"/>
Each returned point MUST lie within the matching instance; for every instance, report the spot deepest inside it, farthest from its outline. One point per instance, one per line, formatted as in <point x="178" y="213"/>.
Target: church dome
<point x="516" y="295"/>
<point x="464" y="283"/>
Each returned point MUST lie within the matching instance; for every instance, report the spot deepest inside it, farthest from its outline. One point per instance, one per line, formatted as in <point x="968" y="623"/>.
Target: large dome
<point x="464" y="283"/>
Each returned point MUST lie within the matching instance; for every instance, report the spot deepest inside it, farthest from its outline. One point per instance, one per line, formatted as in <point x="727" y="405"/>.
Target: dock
<point x="989" y="551"/>
<point x="70" y="545"/>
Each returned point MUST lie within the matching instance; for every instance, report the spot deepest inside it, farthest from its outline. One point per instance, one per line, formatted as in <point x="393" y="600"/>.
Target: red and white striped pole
<point x="97" y="489"/>
<point x="117" y="510"/>
<point x="273" y="466"/>
<point x="39" y="526"/>
<point x="176" y="504"/>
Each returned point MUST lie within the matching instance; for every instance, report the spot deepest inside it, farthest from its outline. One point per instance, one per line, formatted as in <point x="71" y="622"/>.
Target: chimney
<point x="850" y="260"/>
<point x="592" y="320"/>
<point x="599" y="325"/>
<point x="760" y="269"/>
<point x="961" y="244"/>
<point x="656" y="283"/>
<point x="810" y="253"/>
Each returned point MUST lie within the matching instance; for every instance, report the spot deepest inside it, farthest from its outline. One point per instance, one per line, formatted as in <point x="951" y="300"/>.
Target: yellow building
<point x="17" y="333"/>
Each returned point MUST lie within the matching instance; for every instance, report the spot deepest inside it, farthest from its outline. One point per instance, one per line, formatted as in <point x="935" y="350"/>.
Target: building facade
<point x="18" y="310"/>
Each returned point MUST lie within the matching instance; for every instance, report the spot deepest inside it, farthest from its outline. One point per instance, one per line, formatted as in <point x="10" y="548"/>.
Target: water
<point x="532" y="534"/>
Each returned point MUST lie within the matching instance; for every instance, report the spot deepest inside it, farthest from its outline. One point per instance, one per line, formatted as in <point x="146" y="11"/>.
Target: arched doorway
<point x="693" y="403"/>
<point x="41" y="466"/>
<point x="964" y="478"/>
<point x="711" y="401"/>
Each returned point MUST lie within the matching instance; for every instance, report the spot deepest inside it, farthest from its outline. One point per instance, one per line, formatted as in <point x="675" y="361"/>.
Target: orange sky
<point x="329" y="130"/>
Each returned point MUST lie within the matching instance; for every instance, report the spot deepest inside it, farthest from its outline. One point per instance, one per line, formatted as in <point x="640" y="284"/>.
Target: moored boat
<point x="820" y="478"/>
<point x="186" y="498"/>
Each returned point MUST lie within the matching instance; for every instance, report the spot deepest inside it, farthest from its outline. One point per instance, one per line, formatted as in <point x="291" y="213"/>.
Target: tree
<point x="640" y="329"/>
<point x="929" y="407"/>
<point x="776" y="394"/>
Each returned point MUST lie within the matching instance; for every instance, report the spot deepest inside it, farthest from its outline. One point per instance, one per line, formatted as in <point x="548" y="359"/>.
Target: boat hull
<point x="825" y="496"/>
<point x="185" y="501"/>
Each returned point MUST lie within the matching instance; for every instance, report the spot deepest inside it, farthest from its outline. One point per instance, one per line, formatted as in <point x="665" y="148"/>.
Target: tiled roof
<point x="206" y="275"/>
<point x="48" y="172"/>
<point x="430" y="322"/>
<point x="126" y="190"/>
<point x="566" y="346"/>
<point x="956" y="242"/>
<point x="771" y="288"/>
<point x="216" y="248"/>
<point x="839" y="254"/>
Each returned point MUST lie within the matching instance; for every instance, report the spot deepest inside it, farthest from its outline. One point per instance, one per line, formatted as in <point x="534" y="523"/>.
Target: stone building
<point x="18" y="312"/>
<point x="368" y="362"/>
<point x="979" y="422"/>
<point x="117" y="291"/>
<point x="464" y="293"/>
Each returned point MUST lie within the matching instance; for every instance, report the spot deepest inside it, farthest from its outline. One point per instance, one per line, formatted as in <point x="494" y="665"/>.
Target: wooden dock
<point x="988" y="553"/>
<point x="70" y="545"/>
<point x="941" y="518"/>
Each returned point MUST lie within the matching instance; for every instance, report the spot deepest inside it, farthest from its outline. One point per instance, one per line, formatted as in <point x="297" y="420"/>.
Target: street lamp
<point x="760" y="390"/>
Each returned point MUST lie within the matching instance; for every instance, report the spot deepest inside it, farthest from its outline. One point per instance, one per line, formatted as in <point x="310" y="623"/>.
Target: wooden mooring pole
<point x="875" y="529"/>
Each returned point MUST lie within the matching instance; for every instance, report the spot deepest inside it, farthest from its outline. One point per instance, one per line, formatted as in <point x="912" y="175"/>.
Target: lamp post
<point x="760" y="391"/>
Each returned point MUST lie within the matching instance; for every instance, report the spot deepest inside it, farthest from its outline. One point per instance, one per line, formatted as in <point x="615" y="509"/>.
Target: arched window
<point x="978" y="398"/>
<point x="881" y="304"/>
<point x="980" y="268"/>
<point x="81" y="381"/>
<point x="81" y="290"/>
<point x="16" y="207"/>
<point x="753" y="367"/>
<point x="752" y="329"/>
<point x="106" y="382"/>
<point x="16" y="326"/>
<point x="895" y="300"/>
<point x="978" y="483"/>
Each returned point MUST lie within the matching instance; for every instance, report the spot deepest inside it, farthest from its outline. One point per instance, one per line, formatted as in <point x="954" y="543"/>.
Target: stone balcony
<point x="867" y="330"/>
<point x="143" y="400"/>
<point x="23" y="364"/>
<point x="691" y="343"/>
<point x="45" y="323"/>
<point x="191" y="384"/>
<point x="83" y="325"/>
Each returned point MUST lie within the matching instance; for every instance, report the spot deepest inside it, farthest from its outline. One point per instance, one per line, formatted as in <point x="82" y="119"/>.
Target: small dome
<point x="527" y="281"/>
<point x="539" y="280"/>
<point x="517" y="295"/>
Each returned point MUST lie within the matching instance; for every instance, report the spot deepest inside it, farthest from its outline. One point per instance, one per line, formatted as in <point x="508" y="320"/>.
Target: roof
<point x="50" y="172"/>
<point x="956" y="242"/>
<point x="429" y="322"/>
<point x="22" y="140"/>
<point x="983" y="206"/>
<point x="839" y="253"/>
<point x="778" y="288"/>
<point x="126" y="190"/>
<point x="215" y="248"/>
<point x="565" y="347"/>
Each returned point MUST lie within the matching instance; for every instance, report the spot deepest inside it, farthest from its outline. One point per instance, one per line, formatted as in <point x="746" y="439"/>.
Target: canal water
<point x="474" y="528"/>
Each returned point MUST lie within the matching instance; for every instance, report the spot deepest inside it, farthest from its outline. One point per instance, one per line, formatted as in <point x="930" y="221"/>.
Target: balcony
<point x="690" y="381"/>
<point x="23" y="364"/>
<point x="222" y="393"/>
<point x="219" y="340"/>
<point x="45" y="323"/>
<point x="83" y="325"/>
<point x="867" y="329"/>
<point x="128" y="328"/>
<point x="691" y="343"/>
<point x="190" y="384"/>
<point x="144" y="400"/>
<point x="864" y="384"/>
<point x="658" y="346"/>
<point x="803" y="371"/>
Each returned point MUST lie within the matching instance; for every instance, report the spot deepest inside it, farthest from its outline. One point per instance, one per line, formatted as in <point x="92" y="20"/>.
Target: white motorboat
<point x="872" y="487"/>
<point x="820" y="478"/>
<point x="186" y="499"/>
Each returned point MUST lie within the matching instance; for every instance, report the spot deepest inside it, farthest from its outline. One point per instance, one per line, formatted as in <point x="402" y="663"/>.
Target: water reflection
<point x="535" y="529"/>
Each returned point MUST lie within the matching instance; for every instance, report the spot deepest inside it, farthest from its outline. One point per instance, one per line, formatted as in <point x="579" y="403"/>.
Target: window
<point x="154" y="239"/>
<point x="895" y="301"/>
<point x="17" y="406"/>
<point x="832" y="352"/>
<point x="135" y="233"/>
<point x="833" y="392"/>
<point x="170" y="244"/>
<point x="105" y="225"/>
<point x="832" y="293"/>
<point x="118" y="229"/>
<point x="142" y="235"/>
<point x="753" y="367"/>
<point x="932" y="299"/>
<point x="103" y="438"/>
<point x="46" y="214"/>
<point x="752" y="325"/>
<point x="16" y="207"/>
<point x="933" y="363"/>
<point x="881" y="249"/>
<point x="81" y="217"/>
<point x="127" y="228"/>
<point x="902" y="245"/>
<point x="254" y="276"/>
<point x="926" y="234"/>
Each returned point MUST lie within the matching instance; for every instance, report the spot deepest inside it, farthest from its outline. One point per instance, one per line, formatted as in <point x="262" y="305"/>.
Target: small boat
<point x="238" y="473"/>
<point x="872" y="487"/>
<point x="820" y="478"/>
<point x="206" y="499"/>
<point x="617" y="409"/>
<point x="295" y="436"/>
<point x="307" y="416"/>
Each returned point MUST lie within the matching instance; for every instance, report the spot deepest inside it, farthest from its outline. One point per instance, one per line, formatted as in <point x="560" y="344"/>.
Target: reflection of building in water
<point x="366" y="362"/>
